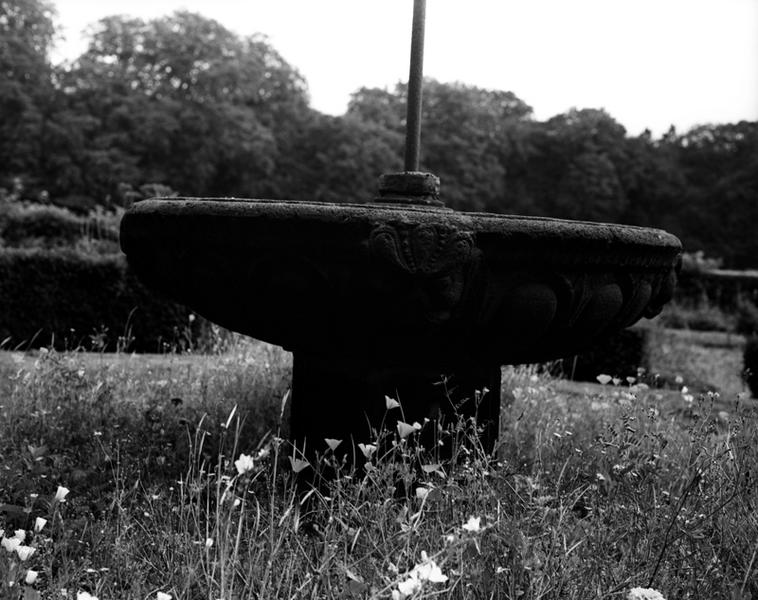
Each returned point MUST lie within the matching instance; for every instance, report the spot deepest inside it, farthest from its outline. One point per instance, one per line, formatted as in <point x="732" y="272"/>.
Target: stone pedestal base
<point x="341" y="399"/>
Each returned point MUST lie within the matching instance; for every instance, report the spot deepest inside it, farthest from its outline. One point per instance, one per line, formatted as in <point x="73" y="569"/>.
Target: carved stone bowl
<point x="385" y="296"/>
<point x="401" y="284"/>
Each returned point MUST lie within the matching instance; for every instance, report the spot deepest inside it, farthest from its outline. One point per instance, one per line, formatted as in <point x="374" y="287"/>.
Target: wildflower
<point x="407" y="588"/>
<point x="163" y="596"/>
<point x="60" y="496"/>
<point x="20" y="534"/>
<point x="244" y="464"/>
<point x="433" y="468"/>
<point x="391" y="403"/>
<point x="367" y="449"/>
<point x="422" y="492"/>
<point x="644" y="594"/>
<point x="603" y="379"/>
<point x="404" y="430"/>
<point x="298" y="464"/>
<point x="426" y="570"/>
<point x="473" y="525"/>
<point x="24" y="552"/>
<point x="31" y="577"/>
<point x="85" y="596"/>
<point x="332" y="443"/>
<point x="208" y="542"/>
<point x="10" y="544"/>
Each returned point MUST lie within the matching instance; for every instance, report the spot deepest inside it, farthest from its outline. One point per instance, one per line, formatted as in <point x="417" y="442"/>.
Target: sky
<point x="649" y="63"/>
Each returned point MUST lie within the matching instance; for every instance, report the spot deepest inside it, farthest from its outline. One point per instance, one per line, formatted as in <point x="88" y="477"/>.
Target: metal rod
<point x="415" y="80"/>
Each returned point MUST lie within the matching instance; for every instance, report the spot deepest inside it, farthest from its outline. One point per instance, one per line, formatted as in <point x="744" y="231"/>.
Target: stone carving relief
<point x="435" y="259"/>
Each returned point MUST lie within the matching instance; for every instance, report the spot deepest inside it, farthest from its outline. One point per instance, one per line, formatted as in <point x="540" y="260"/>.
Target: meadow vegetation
<point x="180" y="483"/>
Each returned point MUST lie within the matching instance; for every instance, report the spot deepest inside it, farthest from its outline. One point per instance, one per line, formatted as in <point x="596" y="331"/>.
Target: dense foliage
<point x="67" y="299"/>
<point x="183" y="102"/>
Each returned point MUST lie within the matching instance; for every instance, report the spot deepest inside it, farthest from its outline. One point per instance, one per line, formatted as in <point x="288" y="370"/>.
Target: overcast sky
<point x="649" y="63"/>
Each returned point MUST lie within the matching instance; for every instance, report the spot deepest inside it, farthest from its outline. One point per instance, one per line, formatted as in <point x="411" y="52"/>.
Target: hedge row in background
<point x="45" y="226"/>
<point x="620" y="355"/>
<point x="70" y="300"/>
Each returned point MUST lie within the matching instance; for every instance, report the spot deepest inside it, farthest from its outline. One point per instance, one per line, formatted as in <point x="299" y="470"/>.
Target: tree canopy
<point x="181" y="101"/>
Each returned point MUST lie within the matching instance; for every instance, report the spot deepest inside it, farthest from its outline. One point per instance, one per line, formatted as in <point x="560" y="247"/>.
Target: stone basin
<point x="379" y="299"/>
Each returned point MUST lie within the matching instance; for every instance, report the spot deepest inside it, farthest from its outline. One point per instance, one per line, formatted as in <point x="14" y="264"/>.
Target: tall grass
<point x="181" y="483"/>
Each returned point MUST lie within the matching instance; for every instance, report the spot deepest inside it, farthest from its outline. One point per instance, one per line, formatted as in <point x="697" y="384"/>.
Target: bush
<point x="68" y="300"/>
<point x="620" y="355"/>
<point x="702" y="317"/>
<point x="747" y="318"/>
<point x="41" y="226"/>
<point x="750" y="363"/>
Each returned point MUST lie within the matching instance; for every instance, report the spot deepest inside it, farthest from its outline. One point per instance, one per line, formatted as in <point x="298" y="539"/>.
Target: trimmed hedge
<point x="750" y="364"/>
<point x="64" y="298"/>
<point x="620" y="355"/>
<point x="24" y="226"/>
<point x="722" y="288"/>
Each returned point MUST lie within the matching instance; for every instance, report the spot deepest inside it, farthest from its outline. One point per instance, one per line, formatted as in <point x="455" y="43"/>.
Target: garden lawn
<point x="179" y="482"/>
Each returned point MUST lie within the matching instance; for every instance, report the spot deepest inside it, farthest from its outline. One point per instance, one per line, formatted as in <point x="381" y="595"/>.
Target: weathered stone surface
<point x="410" y="285"/>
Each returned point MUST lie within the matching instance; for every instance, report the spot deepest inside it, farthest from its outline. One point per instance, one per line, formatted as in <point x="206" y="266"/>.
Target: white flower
<point x="39" y="524"/>
<point x="163" y="596"/>
<point x="31" y="577"/>
<point x="85" y="596"/>
<point x="20" y="534"/>
<point x="367" y="449"/>
<point x="332" y="443"/>
<point x="24" y="552"/>
<point x="60" y="496"/>
<point x="298" y="464"/>
<point x="409" y="586"/>
<point x="644" y="594"/>
<point x="603" y="379"/>
<point x="391" y="403"/>
<point x="422" y="492"/>
<point x="244" y="464"/>
<point x="428" y="570"/>
<point x="10" y="544"/>
<point x="473" y="525"/>
<point x="404" y="430"/>
<point x="208" y="542"/>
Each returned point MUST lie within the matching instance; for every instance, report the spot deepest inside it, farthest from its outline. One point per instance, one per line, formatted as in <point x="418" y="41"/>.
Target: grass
<point x="705" y="359"/>
<point x="594" y="490"/>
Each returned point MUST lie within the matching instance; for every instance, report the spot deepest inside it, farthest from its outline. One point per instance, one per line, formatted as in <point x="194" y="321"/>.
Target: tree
<point x="572" y="166"/>
<point x="187" y="102"/>
<point x="339" y="159"/>
<point x="26" y="33"/>
<point x="465" y="138"/>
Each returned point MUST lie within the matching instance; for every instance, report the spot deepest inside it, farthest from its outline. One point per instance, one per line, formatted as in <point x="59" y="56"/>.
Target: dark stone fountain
<point x="401" y="297"/>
